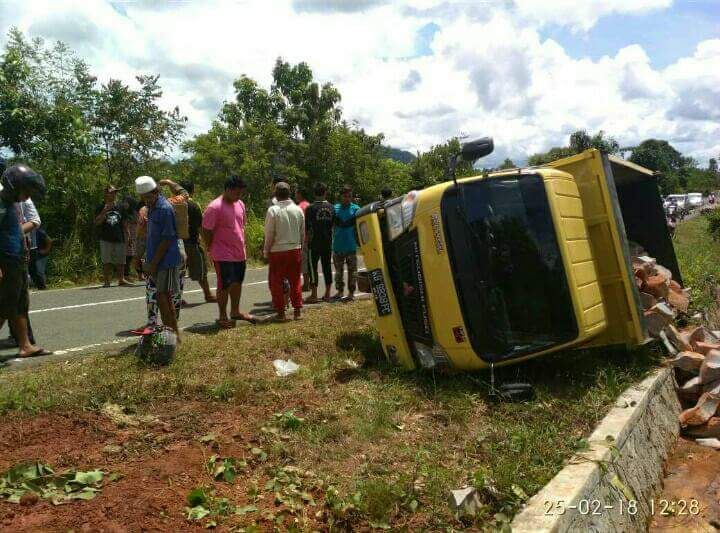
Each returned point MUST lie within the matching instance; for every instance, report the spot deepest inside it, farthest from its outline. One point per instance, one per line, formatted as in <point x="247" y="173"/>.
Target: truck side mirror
<point x="474" y="150"/>
<point x="470" y="152"/>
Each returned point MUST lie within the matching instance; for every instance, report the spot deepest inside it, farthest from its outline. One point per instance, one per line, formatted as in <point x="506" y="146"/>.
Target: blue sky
<point x="666" y="34"/>
<point x="527" y="72"/>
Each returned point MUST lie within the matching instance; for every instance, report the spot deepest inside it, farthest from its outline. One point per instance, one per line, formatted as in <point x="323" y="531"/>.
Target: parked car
<point x="694" y="199"/>
<point x="680" y="200"/>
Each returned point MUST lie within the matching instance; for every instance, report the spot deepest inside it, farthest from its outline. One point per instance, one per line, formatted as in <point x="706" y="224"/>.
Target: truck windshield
<point x="508" y="268"/>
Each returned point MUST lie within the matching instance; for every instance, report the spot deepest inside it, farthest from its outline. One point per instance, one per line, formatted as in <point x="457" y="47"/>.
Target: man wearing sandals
<point x="284" y="237"/>
<point x="109" y="218"/>
<point x="223" y="228"/>
<point x="162" y="250"/>
<point x="19" y="183"/>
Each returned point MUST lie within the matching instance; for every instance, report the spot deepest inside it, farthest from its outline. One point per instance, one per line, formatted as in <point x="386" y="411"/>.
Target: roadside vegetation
<point x="82" y="134"/>
<point x="348" y="441"/>
<point x="697" y="245"/>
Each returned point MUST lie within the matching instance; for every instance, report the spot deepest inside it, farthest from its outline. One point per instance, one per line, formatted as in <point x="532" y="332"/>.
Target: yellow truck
<point x="497" y="268"/>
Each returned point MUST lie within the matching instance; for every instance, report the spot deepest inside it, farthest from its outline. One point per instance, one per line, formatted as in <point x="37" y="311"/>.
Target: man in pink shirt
<point x="224" y="232"/>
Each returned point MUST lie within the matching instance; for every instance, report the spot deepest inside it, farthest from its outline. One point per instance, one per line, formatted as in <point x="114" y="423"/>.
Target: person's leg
<point x="128" y="264"/>
<point x="326" y="260"/>
<point x="38" y="283"/>
<point x="151" y="301"/>
<point x="338" y="261"/>
<point x="120" y="268"/>
<point x="20" y="329"/>
<point x="178" y="294"/>
<point x="235" y="291"/>
<point x="168" y="283"/>
<point x="222" y="295"/>
<point x="313" y="258"/>
<point x="203" y="281"/>
<point x="352" y="274"/>
<point x="293" y="270"/>
<point x="41" y="268"/>
<point x="167" y="311"/>
<point x="107" y="274"/>
<point x="276" y="284"/>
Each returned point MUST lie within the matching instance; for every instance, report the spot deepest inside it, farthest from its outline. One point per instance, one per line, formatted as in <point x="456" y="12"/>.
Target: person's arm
<point x="176" y="189"/>
<point x="100" y="217"/>
<point x="302" y="227"/>
<point x="207" y="237"/>
<point x="269" y="233"/>
<point x="209" y="219"/>
<point x="31" y="216"/>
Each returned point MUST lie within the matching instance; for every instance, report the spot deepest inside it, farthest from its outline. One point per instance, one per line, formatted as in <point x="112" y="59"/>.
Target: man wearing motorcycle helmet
<point x="19" y="182"/>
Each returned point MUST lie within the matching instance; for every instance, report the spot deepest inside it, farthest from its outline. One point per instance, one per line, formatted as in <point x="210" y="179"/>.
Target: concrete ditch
<point x="611" y="485"/>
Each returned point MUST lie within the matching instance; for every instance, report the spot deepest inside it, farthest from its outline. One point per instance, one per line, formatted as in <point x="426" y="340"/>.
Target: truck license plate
<point x="379" y="290"/>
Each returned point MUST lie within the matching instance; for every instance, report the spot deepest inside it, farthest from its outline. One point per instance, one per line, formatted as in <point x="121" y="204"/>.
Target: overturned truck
<point x="497" y="268"/>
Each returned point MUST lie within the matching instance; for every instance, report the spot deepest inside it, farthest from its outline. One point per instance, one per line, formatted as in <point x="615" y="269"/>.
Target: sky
<point x="525" y="72"/>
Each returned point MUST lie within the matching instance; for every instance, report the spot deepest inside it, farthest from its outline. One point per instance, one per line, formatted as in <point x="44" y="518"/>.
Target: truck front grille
<point x="403" y="256"/>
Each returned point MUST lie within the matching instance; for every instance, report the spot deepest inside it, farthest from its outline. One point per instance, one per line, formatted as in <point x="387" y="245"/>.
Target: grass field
<point x="699" y="259"/>
<point x="384" y="447"/>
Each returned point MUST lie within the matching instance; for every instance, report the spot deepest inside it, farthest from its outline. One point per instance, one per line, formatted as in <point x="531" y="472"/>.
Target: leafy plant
<point x="225" y="468"/>
<point x="39" y="479"/>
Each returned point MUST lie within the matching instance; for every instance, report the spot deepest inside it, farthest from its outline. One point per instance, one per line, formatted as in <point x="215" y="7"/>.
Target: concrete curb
<point x="610" y="486"/>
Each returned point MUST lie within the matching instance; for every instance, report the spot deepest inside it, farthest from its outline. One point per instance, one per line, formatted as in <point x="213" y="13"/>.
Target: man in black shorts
<point x="19" y="183"/>
<point x="196" y="261"/>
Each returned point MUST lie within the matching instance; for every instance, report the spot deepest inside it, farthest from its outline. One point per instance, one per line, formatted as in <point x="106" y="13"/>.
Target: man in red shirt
<point x="224" y="232"/>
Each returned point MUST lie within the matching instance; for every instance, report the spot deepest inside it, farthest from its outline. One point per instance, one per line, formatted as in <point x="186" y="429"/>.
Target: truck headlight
<point x="400" y="216"/>
<point x="431" y="357"/>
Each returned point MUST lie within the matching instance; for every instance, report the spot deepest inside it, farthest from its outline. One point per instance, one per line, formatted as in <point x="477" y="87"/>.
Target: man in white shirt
<point x="284" y="235"/>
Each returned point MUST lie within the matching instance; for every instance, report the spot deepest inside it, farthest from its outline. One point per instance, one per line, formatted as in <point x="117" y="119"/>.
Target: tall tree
<point x="131" y="128"/>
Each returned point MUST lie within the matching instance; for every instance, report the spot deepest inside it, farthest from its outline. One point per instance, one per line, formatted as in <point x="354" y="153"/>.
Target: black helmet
<point x="21" y="179"/>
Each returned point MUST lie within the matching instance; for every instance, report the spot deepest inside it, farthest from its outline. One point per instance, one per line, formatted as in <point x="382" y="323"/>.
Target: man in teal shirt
<point x="345" y="244"/>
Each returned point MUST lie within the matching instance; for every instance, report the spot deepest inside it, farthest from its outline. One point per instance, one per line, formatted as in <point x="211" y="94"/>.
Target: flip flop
<point x="37" y="353"/>
<point x="125" y="284"/>
<point x="312" y="300"/>
<point x="225" y="324"/>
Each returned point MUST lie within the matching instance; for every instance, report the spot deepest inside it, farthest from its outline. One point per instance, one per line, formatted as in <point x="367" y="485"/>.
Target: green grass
<point x="392" y="443"/>
<point x="699" y="256"/>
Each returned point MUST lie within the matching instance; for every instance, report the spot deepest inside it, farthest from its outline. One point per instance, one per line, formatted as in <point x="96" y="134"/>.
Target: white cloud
<point x="490" y="72"/>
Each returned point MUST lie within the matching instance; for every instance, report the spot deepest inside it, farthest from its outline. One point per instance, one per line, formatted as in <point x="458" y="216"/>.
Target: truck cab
<point x="494" y="269"/>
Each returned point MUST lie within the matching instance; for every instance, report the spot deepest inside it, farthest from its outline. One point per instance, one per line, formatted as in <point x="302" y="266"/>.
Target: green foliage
<point x="41" y="481"/>
<point x="507" y="164"/>
<point x="579" y="141"/>
<point x="675" y="170"/>
<point x="714" y="224"/>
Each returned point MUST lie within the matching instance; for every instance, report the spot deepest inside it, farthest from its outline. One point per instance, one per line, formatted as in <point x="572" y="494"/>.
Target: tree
<point x="131" y="128"/>
<point x="507" y="164"/>
<point x="660" y="156"/>
<point x="579" y="141"/>
<point x="294" y="130"/>
<point x="432" y="166"/>
<point x="713" y="165"/>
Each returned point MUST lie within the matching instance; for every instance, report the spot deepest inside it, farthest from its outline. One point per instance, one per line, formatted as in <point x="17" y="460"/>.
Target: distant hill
<point x="398" y="155"/>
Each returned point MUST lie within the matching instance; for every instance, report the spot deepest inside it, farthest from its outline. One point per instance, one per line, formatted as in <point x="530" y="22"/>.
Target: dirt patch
<point x="157" y="466"/>
<point x="693" y="475"/>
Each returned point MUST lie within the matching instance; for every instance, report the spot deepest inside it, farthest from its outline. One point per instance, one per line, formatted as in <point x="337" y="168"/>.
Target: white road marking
<point x="107" y="302"/>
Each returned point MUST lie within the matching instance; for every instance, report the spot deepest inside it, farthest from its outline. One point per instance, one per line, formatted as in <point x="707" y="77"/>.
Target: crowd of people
<point x="162" y="234"/>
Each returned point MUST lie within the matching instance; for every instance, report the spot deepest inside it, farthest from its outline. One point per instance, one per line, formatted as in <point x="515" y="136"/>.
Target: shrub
<point x="714" y="224"/>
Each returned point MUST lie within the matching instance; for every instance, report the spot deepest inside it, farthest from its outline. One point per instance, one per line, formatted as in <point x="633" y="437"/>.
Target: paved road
<point x="74" y="321"/>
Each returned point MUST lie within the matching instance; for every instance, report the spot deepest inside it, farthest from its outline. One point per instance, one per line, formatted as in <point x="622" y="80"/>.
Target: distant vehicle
<point x="694" y="199"/>
<point x="680" y="200"/>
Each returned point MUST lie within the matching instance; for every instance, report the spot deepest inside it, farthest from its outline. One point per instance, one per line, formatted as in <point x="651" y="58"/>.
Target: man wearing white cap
<point x="163" y="257"/>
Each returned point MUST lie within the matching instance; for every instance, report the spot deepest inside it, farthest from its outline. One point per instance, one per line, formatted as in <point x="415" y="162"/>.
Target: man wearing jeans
<point x="345" y="244"/>
<point x="162" y="250"/>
